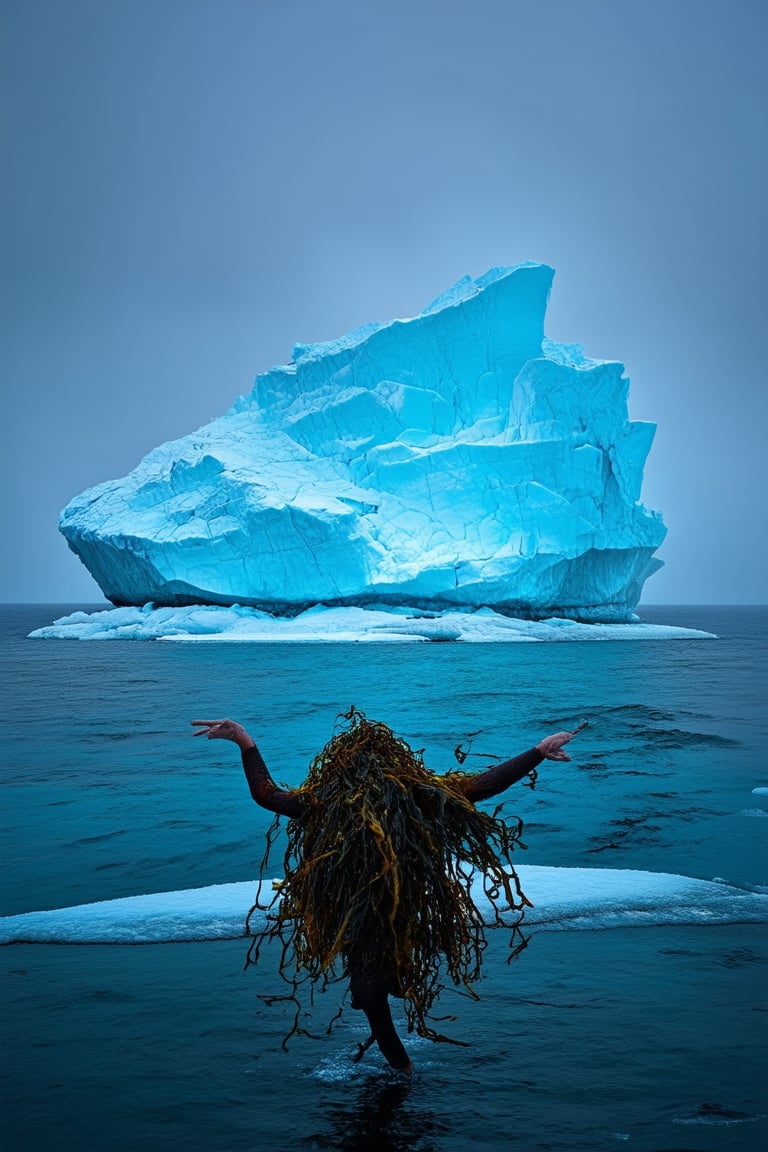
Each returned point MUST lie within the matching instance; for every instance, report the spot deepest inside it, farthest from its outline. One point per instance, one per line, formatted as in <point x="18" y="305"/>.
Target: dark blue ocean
<point x="645" y="1038"/>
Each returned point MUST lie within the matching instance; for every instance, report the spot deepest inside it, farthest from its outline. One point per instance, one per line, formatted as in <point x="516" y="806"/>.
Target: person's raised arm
<point x="501" y="776"/>
<point x="263" y="788"/>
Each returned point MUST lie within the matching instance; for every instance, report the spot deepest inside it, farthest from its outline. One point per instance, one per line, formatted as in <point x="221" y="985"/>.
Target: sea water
<point x="646" y="1037"/>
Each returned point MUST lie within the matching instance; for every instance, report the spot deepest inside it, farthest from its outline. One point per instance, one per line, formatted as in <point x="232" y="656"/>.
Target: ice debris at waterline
<point x="321" y="624"/>
<point x="458" y="458"/>
<point x="563" y="898"/>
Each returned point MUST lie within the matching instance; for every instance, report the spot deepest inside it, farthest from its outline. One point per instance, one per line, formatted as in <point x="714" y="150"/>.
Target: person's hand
<point x="223" y="730"/>
<point x="551" y="747"/>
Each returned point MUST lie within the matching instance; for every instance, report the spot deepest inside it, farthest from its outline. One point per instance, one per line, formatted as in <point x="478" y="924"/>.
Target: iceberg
<point x="459" y="459"/>
<point x="563" y="899"/>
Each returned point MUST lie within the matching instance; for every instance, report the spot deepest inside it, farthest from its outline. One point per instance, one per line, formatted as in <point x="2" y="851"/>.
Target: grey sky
<point x="191" y="186"/>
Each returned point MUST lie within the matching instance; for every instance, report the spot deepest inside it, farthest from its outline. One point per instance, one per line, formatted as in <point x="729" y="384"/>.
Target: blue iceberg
<point x="455" y="460"/>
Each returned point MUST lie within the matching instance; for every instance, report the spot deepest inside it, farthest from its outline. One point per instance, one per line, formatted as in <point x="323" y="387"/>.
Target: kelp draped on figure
<point x="378" y="872"/>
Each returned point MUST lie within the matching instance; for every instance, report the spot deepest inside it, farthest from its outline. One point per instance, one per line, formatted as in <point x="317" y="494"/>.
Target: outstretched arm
<point x="501" y="776"/>
<point x="263" y="788"/>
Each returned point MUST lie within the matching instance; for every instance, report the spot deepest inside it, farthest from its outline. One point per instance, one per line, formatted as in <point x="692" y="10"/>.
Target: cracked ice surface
<point x="457" y="459"/>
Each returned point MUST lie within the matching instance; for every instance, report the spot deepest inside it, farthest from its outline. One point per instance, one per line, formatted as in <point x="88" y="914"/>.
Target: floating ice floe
<point x="401" y="624"/>
<point x="563" y="898"/>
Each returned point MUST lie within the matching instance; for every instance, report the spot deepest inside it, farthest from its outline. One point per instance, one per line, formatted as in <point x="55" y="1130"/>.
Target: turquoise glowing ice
<point x="456" y="459"/>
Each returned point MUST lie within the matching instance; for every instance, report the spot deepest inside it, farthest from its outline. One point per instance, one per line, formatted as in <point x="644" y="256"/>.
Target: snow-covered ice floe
<point x="340" y="624"/>
<point x="563" y="898"/>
